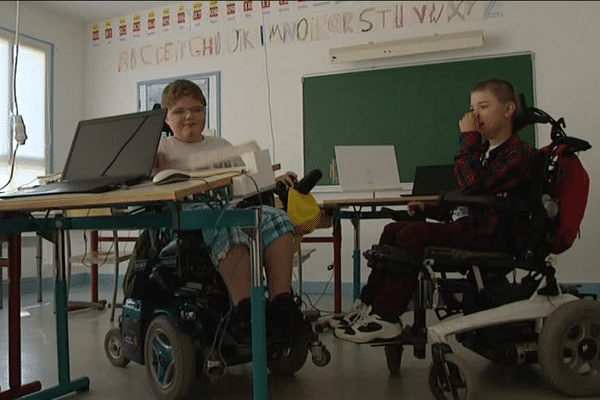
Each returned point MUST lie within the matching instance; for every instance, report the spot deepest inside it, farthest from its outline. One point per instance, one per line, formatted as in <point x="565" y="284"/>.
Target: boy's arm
<point x="497" y="176"/>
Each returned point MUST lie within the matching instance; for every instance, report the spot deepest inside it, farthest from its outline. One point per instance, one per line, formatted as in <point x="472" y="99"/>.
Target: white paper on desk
<point x="367" y="168"/>
<point x="206" y="173"/>
<point x="208" y="159"/>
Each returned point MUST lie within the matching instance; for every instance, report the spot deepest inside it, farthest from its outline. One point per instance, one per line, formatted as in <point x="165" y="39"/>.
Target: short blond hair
<point x="503" y="90"/>
<point x="179" y="89"/>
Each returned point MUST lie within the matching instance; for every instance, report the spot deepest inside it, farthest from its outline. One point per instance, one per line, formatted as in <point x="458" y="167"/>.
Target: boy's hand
<point x="289" y="179"/>
<point x="415" y="207"/>
<point x="469" y="123"/>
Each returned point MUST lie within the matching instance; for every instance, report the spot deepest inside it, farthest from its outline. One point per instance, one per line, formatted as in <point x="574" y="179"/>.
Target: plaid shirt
<point x="505" y="172"/>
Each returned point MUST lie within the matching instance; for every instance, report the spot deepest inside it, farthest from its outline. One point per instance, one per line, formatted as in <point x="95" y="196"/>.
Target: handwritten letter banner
<point x="202" y="29"/>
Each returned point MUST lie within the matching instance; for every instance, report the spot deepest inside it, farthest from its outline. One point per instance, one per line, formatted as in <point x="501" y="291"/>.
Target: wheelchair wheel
<point x="393" y="356"/>
<point x="113" y="347"/>
<point x="569" y="348"/>
<point x="290" y="358"/>
<point x="170" y="360"/>
<point x="452" y="381"/>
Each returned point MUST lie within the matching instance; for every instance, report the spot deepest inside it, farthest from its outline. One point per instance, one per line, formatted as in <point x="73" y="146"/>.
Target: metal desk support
<point x="259" y="331"/>
<point x="65" y="385"/>
<point x="14" y="323"/>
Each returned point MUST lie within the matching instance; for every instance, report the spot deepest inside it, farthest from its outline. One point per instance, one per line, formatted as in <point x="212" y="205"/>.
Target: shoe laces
<point x="358" y="308"/>
<point x="364" y="317"/>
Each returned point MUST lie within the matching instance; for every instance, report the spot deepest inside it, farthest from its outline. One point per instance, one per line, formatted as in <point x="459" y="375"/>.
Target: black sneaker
<point x="240" y="327"/>
<point x="284" y="318"/>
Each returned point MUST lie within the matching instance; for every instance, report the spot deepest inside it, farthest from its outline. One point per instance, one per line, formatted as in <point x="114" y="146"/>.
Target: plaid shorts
<point x="274" y="224"/>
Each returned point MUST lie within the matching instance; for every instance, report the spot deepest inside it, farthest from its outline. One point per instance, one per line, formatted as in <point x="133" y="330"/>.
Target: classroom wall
<point x="69" y="85"/>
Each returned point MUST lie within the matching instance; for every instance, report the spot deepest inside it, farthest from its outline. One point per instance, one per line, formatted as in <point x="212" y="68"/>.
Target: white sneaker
<point x="367" y="328"/>
<point x="343" y="320"/>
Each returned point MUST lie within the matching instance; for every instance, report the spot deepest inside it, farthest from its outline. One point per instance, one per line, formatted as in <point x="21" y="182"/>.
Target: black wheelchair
<point x="505" y="306"/>
<point x="175" y="316"/>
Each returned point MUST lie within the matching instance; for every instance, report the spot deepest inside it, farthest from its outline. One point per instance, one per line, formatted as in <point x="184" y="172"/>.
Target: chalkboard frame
<point x="339" y="100"/>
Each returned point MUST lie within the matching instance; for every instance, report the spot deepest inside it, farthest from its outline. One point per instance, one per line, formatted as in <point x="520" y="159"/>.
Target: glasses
<point x="180" y="112"/>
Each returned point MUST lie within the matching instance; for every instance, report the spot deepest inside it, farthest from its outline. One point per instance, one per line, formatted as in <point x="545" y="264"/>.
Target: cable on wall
<point x="264" y="44"/>
<point x="18" y="124"/>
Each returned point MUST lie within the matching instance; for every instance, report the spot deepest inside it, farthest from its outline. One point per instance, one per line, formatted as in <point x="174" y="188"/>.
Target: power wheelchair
<point x="175" y="319"/>
<point x="505" y="306"/>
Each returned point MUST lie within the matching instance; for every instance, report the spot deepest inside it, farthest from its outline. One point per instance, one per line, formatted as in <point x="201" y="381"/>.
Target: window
<point x="150" y="93"/>
<point x="32" y="89"/>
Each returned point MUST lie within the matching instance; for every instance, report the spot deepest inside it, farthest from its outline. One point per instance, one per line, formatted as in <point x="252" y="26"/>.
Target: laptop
<point x="433" y="180"/>
<point x="106" y="154"/>
<point x="367" y="168"/>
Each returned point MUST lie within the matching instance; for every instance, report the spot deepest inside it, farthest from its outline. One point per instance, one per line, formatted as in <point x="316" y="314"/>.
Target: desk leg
<point x="38" y="257"/>
<point x="65" y="385"/>
<point x="94" y="303"/>
<point x="14" y="324"/>
<point x="259" y="331"/>
<point x="337" y="264"/>
<point x="356" y="257"/>
<point x="94" y="248"/>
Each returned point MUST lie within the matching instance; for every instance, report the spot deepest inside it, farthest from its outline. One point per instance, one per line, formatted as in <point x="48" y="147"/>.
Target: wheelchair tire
<point x="393" y="357"/>
<point x="569" y="348"/>
<point x="170" y="360"/>
<point x="462" y="379"/>
<point x="113" y="347"/>
<point x="290" y="359"/>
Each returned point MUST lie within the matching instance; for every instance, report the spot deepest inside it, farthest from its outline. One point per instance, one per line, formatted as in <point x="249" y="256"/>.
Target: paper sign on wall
<point x="123" y="29"/>
<point x="151" y="23"/>
<point x="197" y="14"/>
<point x="213" y="11"/>
<point x="166" y="19"/>
<point x="95" y="34"/>
<point x="108" y="32"/>
<point x="136" y="28"/>
<point x="182" y="17"/>
<point x="232" y="12"/>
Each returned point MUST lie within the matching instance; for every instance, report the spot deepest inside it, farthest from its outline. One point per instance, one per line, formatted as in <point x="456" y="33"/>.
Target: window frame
<point x="48" y="49"/>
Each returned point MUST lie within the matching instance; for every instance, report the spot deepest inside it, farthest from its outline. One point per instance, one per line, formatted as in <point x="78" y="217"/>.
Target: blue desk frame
<point x="54" y="227"/>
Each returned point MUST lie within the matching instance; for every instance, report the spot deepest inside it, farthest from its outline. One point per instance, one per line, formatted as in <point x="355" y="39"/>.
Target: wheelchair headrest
<point x="166" y="128"/>
<point x="528" y="115"/>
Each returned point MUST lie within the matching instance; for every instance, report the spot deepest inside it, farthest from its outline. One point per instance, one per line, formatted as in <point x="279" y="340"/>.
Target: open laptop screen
<point x="433" y="180"/>
<point x="118" y="146"/>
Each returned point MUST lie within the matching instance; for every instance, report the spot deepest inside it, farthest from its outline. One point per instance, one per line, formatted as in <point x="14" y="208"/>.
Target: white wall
<point x="68" y="38"/>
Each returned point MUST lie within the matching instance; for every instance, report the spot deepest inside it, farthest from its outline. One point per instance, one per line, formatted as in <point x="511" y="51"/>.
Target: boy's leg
<point x="235" y="271"/>
<point x="278" y="260"/>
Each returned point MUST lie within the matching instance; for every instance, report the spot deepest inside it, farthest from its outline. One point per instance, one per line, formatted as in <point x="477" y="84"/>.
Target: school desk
<point x="18" y="217"/>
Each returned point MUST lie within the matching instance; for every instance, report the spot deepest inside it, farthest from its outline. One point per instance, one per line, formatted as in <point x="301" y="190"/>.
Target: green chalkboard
<point x="415" y="108"/>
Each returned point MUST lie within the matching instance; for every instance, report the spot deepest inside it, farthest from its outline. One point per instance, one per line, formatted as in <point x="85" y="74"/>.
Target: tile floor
<point x="356" y="372"/>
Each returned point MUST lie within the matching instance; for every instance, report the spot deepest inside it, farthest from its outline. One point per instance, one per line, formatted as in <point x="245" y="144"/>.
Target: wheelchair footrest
<point x="406" y="337"/>
<point x="392" y="259"/>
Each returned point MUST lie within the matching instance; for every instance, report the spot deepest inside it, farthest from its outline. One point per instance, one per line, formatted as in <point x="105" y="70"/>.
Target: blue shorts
<point x="274" y="224"/>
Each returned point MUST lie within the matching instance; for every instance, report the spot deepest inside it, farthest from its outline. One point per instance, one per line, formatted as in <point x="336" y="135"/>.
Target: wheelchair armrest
<point x="401" y="215"/>
<point x="484" y="201"/>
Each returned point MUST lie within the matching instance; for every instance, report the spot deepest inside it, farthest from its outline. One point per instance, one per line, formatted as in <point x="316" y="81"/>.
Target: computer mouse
<point x="170" y="176"/>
